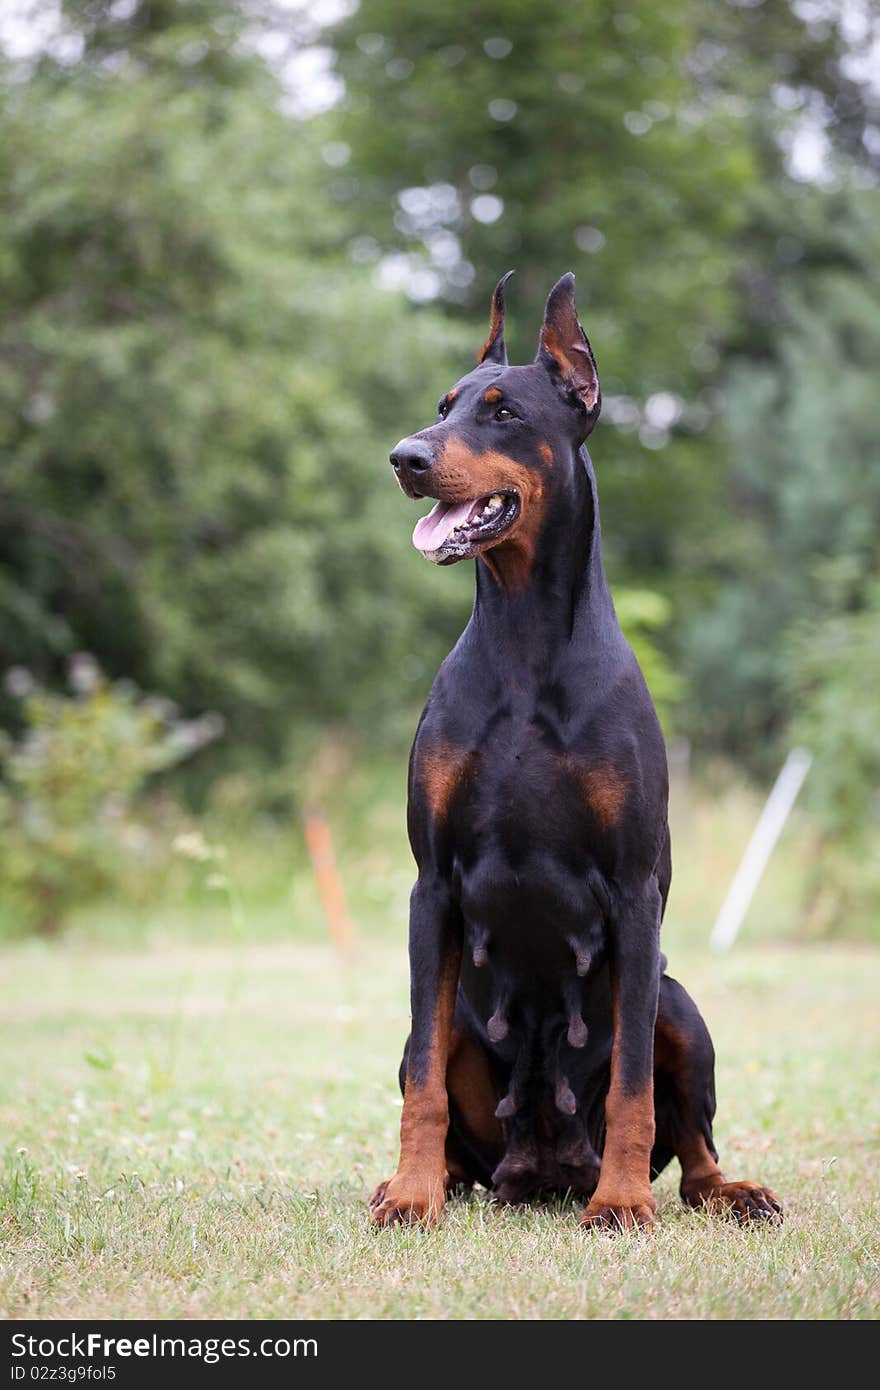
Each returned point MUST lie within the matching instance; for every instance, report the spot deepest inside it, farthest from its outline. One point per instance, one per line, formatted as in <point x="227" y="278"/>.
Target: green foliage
<point x="835" y="677"/>
<point x="798" y="545"/>
<point x="643" y="613"/>
<point x="835" y="671"/>
<point x="68" y="828"/>
<point x="571" y="119"/>
<point x="197" y="402"/>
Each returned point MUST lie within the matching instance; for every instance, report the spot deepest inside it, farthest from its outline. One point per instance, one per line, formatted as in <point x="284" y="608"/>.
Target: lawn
<point x="192" y="1130"/>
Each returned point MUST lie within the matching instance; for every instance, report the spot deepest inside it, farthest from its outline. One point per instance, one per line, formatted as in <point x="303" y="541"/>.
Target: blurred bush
<point x="795" y="549"/>
<point x="69" y="826"/>
<point x="835" y="674"/>
<point x="643" y="614"/>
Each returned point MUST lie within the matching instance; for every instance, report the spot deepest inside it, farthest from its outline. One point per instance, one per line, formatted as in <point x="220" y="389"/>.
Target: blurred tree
<point x="798" y="549"/>
<point x="510" y="135"/>
<point x="801" y="75"/>
<point x="835" y="680"/>
<point x="196" y="396"/>
<point x="835" y="674"/>
<point x="799" y="423"/>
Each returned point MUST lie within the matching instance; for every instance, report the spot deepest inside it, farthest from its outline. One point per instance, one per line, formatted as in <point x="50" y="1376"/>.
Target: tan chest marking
<point x="604" y="789"/>
<point x="440" y="770"/>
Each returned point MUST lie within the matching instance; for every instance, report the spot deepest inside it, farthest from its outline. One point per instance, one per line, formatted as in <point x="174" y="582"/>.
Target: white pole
<point x="760" y="847"/>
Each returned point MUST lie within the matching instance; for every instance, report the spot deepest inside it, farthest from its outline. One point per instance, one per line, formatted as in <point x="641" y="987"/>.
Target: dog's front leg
<point x="623" y="1197"/>
<point x="416" y="1193"/>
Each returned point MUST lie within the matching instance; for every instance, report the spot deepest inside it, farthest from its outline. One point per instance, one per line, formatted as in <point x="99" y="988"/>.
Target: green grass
<point x="192" y="1131"/>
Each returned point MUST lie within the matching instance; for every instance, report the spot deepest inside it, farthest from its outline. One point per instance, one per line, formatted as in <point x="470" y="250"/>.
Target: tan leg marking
<point x="623" y="1199"/>
<point x="417" y="1191"/>
<point x="470" y="1085"/>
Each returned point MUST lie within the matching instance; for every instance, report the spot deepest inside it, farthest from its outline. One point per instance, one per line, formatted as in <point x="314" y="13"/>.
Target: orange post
<point x="319" y="842"/>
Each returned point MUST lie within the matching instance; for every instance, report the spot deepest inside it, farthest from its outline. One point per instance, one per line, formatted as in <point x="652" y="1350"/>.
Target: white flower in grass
<point x="191" y="844"/>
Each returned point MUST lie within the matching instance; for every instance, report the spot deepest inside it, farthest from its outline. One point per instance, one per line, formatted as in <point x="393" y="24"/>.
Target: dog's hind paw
<point x="744" y="1201"/>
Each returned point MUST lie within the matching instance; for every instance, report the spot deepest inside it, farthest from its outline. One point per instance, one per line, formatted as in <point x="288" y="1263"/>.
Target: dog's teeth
<point x="491" y="507"/>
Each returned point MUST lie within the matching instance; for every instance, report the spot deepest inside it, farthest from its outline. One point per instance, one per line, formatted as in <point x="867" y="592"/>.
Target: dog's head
<point x="505" y="440"/>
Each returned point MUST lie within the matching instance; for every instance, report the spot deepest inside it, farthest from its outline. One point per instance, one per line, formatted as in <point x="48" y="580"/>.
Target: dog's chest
<point x="522" y="835"/>
<point x="522" y="792"/>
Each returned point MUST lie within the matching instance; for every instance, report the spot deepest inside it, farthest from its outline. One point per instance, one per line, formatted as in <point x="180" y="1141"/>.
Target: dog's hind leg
<point x="475" y="1140"/>
<point x="684" y="1091"/>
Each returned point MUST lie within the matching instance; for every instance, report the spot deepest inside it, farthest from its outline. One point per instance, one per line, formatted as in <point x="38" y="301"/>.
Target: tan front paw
<point x="634" y="1214"/>
<point x="412" y="1199"/>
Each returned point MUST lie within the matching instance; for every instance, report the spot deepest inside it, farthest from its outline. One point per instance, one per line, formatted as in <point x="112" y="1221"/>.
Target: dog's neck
<point x="528" y="608"/>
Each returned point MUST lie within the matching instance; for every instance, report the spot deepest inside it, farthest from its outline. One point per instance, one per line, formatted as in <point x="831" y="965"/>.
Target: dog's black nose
<point x="415" y="455"/>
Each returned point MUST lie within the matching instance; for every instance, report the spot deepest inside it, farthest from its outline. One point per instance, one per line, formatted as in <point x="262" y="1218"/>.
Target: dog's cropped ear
<point x="493" y="350"/>
<point x="563" y="348"/>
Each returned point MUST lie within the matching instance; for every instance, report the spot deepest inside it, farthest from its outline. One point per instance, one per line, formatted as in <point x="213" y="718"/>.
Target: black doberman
<point x="549" y="1052"/>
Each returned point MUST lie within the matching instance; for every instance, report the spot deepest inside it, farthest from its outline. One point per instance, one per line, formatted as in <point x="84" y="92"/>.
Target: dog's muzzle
<point x="411" y="460"/>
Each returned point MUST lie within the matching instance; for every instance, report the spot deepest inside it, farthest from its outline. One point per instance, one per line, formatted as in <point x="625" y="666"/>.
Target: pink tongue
<point x="433" y="529"/>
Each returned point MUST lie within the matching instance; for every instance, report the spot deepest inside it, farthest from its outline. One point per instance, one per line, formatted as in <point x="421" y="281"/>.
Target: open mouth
<point x="454" y="530"/>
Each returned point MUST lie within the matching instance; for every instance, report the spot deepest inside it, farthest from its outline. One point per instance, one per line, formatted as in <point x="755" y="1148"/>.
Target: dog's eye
<point x="502" y="413"/>
<point x="443" y="408"/>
